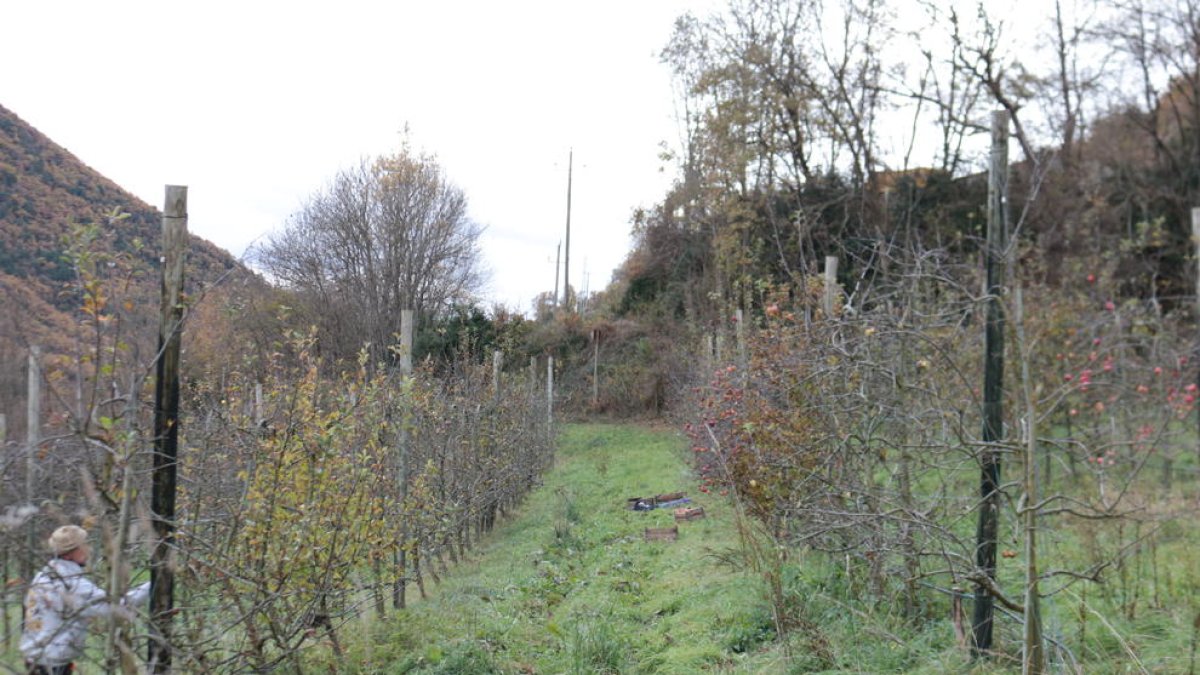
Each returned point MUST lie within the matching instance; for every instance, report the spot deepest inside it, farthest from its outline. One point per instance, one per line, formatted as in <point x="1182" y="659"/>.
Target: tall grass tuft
<point x="594" y="647"/>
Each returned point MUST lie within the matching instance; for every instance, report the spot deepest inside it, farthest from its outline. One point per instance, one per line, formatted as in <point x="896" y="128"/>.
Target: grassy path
<point x="569" y="586"/>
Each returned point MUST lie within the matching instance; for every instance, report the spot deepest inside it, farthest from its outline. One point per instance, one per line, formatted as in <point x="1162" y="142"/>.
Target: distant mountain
<point x="46" y="193"/>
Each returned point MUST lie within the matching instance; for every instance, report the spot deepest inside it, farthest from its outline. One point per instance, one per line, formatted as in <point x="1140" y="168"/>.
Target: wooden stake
<point x="259" y="414"/>
<point x="5" y="556"/>
<point x="595" y="368"/>
<point x="1033" y="661"/>
<point x="497" y="363"/>
<point x="166" y="428"/>
<point x="987" y="530"/>
<point x="550" y="393"/>
<point x="407" y="326"/>
<point x="33" y="433"/>
<point x="831" y="285"/>
<point x="1196" y="242"/>
<point x="399" y="601"/>
<point x="741" y="338"/>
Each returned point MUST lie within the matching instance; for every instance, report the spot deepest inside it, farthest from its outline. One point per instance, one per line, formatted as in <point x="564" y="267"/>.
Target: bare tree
<point x="390" y="234"/>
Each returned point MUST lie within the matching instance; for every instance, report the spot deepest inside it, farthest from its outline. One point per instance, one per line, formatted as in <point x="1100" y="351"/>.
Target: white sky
<point x="254" y="105"/>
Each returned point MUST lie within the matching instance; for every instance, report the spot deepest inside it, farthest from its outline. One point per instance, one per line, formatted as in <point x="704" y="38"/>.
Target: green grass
<point x="568" y="585"/>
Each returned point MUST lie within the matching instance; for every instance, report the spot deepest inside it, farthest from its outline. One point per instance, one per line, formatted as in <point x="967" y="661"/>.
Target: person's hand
<point x="137" y="595"/>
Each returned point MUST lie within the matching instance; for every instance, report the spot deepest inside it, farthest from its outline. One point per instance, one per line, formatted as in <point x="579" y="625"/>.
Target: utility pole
<point x="567" y="258"/>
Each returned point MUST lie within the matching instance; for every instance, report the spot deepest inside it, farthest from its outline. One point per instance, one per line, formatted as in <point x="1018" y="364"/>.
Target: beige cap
<point x="66" y="539"/>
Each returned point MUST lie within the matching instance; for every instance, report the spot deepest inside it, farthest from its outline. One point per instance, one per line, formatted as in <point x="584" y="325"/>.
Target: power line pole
<point x="567" y="258"/>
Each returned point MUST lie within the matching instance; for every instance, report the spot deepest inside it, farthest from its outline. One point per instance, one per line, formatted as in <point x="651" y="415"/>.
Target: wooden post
<point x="28" y="562"/>
<point x="407" y="327"/>
<point x="831" y="285"/>
<point x="987" y="529"/>
<point x="1196" y="241"/>
<point x="33" y="437"/>
<point x="399" y="601"/>
<point x="166" y="428"/>
<point x="595" y="368"/>
<point x="1033" y="661"/>
<point x="550" y="394"/>
<point x="532" y="378"/>
<point x="5" y="556"/>
<point x="497" y="364"/>
<point x="741" y="338"/>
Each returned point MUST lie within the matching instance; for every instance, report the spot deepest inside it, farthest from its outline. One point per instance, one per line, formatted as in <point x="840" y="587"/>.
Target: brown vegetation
<point x="47" y="198"/>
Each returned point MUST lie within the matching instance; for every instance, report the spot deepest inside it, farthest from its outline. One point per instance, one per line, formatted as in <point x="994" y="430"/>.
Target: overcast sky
<point x="255" y="105"/>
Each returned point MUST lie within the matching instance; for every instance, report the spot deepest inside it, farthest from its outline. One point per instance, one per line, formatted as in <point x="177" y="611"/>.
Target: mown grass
<point x="569" y="586"/>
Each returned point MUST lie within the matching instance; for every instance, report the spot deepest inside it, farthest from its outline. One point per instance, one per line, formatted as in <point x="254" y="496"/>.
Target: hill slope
<point x="44" y="190"/>
<point x="46" y="193"/>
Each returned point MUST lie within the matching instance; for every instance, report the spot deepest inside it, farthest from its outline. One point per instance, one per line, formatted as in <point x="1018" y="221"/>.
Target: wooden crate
<point x="668" y="497"/>
<point x="662" y="533"/>
<point x="686" y="514"/>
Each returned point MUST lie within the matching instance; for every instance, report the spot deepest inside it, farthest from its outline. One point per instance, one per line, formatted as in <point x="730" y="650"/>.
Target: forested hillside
<point x="57" y="225"/>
